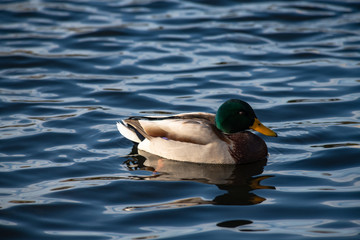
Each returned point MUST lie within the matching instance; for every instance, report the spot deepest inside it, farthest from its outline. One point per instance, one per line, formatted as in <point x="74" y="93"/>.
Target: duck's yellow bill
<point x="259" y="127"/>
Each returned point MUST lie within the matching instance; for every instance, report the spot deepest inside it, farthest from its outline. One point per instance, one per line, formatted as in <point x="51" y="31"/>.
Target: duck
<point x="200" y="137"/>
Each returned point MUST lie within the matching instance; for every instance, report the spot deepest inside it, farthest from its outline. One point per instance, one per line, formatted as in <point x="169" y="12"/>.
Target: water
<point x="70" y="69"/>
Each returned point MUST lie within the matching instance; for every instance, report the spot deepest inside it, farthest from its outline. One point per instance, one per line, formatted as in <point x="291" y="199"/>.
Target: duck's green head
<point x="235" y="115"/>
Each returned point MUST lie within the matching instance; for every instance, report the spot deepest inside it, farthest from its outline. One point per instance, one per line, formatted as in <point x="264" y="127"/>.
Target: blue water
<point x="70" y="69"/>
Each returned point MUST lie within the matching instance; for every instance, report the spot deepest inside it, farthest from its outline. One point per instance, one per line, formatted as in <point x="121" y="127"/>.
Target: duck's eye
<point x="241" y="113"/>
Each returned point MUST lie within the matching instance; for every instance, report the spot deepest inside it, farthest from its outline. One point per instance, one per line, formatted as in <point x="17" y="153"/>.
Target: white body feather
<point x="212" y="153"/>
<point x="127" y="132"/>
<point x="189" y="140"/>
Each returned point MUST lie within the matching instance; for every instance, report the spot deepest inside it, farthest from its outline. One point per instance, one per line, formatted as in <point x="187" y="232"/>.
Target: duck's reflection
<point x="238" y="181"/>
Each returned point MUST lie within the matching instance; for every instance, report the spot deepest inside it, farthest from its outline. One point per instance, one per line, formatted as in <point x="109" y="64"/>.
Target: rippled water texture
<point x="70" y="69"/>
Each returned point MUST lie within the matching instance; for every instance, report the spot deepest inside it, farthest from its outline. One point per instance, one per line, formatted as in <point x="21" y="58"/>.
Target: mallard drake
<point x="201" y="137"/>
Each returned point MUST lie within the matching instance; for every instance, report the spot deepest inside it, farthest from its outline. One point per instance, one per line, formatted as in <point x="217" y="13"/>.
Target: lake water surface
<point x="70" y="69"/>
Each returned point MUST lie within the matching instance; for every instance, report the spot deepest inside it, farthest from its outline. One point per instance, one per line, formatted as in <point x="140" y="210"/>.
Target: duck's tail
<point x="127" y="131"/>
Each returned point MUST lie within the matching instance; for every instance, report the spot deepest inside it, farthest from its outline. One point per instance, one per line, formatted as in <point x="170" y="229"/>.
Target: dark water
<point x="70" y="69"/>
